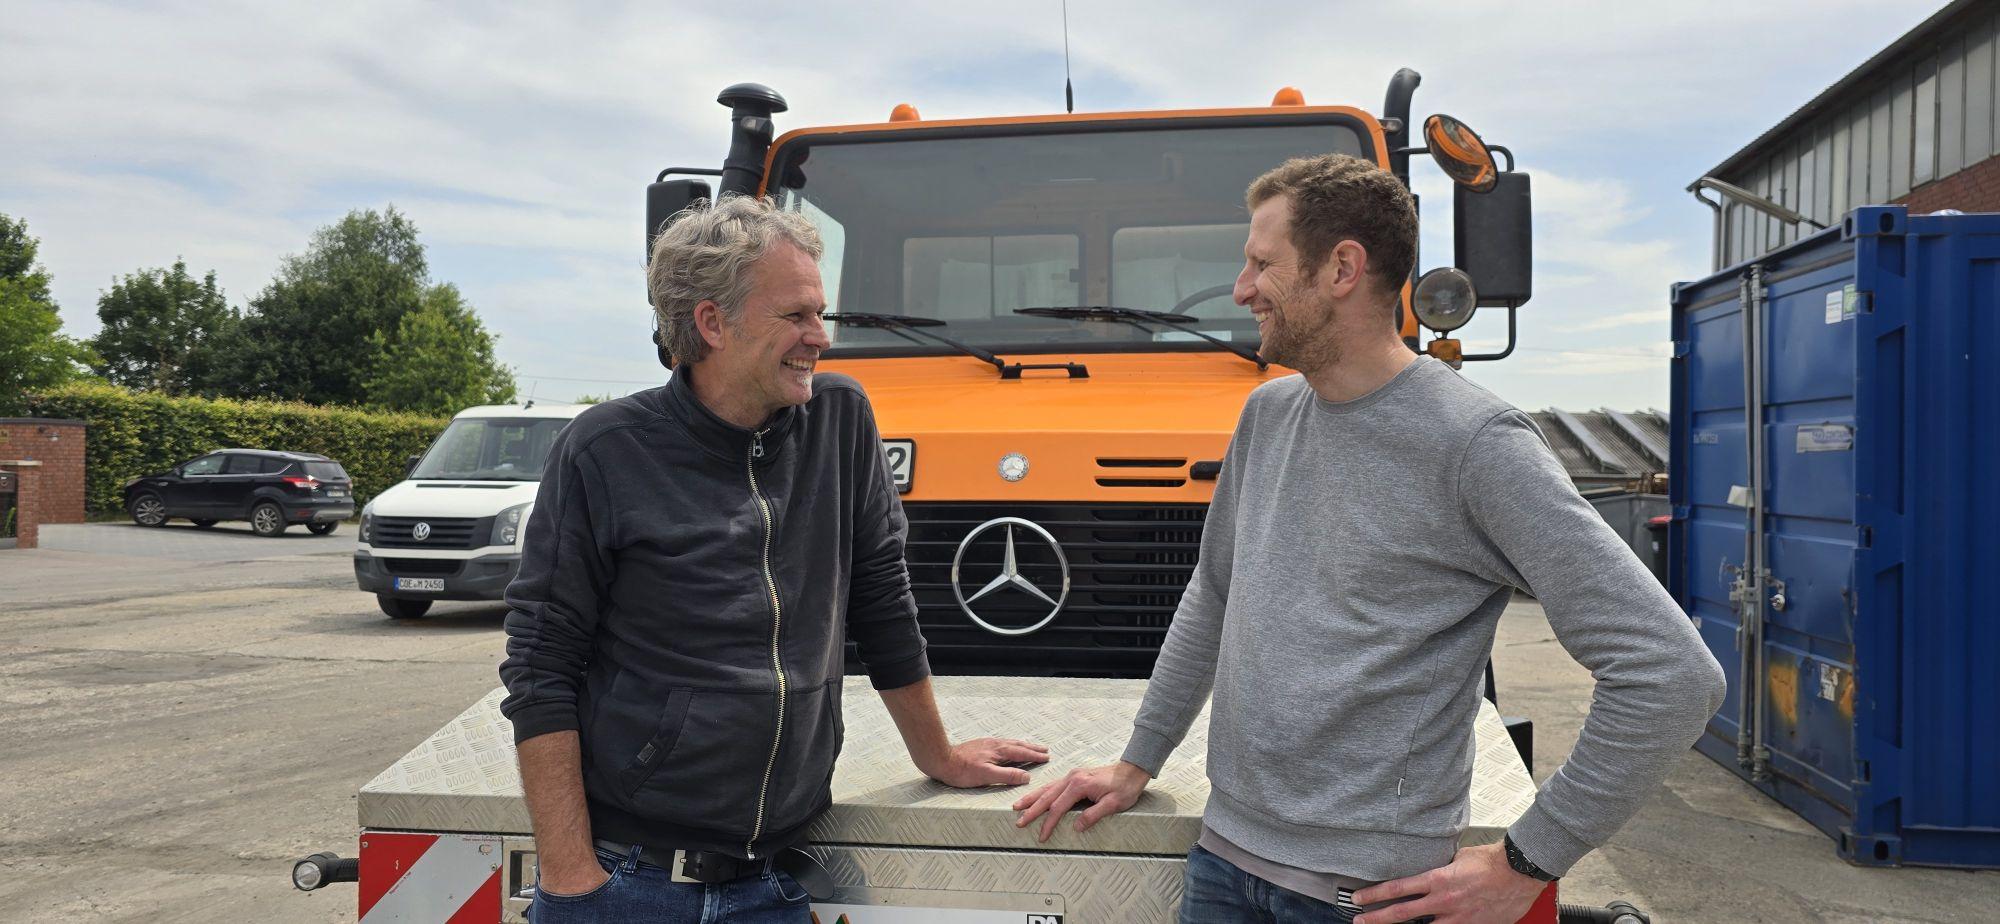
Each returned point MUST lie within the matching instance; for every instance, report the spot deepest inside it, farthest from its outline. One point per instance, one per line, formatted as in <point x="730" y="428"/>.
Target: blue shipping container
<point x="1846" y="578"/>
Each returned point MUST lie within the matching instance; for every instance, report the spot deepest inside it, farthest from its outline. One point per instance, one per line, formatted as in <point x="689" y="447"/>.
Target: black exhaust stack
<point x="1396" y="120"/>
<point x="750" y="108"/>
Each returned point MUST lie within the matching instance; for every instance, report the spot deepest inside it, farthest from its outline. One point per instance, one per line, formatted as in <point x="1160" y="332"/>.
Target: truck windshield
<point x="491" y="449"/>
<point x="967" y="230"/>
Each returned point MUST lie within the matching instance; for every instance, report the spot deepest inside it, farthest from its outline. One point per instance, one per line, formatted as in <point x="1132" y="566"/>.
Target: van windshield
<point x="491" y="449"/>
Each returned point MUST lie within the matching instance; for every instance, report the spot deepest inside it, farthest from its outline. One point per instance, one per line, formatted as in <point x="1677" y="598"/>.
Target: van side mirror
<point x="1493" y="240"/>
<point x="410" y="467"/>
<point x="667" y="198"/>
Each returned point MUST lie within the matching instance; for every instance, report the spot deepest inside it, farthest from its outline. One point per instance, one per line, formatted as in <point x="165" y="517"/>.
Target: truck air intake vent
<point x="1141" y="463"/>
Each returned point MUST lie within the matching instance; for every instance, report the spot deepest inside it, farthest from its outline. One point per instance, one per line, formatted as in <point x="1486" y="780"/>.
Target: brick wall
<point x="1974" y="189"/>
<point x="52" y="491"/>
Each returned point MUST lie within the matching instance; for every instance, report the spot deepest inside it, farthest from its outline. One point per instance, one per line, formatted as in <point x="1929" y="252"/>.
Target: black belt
<point x="711" y="866"/>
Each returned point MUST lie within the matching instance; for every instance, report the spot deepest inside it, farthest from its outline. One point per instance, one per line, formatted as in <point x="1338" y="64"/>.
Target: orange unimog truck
<point x="1040" y="310"/>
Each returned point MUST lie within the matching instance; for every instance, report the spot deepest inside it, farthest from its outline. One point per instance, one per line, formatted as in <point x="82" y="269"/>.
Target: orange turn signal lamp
<point x="1448" y="350"/>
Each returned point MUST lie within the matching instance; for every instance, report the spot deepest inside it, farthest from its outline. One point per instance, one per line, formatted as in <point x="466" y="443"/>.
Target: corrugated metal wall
<point x="1922" y="123"/>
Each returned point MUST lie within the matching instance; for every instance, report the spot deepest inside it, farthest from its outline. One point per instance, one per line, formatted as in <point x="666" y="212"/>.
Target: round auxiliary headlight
<point x="307" y="875"/>
<point x="1444" y="299"/>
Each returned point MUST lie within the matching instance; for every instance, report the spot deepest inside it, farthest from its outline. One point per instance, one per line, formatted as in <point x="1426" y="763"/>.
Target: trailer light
<point x="1444" y="299"/>
<point x="321" y="869"/>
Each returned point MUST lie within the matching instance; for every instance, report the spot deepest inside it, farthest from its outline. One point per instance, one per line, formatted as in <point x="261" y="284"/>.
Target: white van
<point x="452" y="529"/>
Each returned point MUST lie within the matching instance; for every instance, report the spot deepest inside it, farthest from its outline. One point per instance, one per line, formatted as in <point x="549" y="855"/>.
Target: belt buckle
<point x="677" y="869"/>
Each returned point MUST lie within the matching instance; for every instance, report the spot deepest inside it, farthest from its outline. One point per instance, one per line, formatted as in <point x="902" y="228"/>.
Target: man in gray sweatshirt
<point x="1372" y="519"/>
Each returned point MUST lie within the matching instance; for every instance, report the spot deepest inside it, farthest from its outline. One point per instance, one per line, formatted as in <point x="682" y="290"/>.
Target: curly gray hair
<point x="706" y="253"/>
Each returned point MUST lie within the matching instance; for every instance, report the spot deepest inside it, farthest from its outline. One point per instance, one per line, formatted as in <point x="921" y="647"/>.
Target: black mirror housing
<point x="1493" y="240"/>
<point x="410" y="467"/>
<point x="667" y="198"/>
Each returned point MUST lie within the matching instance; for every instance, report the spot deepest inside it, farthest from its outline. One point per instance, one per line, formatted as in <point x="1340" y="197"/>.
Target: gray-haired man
<point x="701" y="552"/>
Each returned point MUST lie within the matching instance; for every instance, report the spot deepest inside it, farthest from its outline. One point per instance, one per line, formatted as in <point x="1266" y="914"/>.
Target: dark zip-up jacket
<point x="686" y="589"/>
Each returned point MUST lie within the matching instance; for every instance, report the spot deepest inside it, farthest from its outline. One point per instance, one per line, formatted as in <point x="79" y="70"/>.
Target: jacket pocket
<point x="804" y="773"/>
<point x="673" y="717"/>
<point x="710" y="776"/>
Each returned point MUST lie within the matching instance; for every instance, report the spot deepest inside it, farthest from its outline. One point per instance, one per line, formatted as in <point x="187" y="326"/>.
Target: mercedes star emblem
<point x="1010" y="575"/>
<point x="1013" y="467"/>
<point x="421" y="532"/>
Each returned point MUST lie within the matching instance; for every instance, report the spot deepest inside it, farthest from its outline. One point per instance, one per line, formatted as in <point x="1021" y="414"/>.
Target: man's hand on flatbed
<point x="1110" y="789"/>
<point x="987" y="762"/>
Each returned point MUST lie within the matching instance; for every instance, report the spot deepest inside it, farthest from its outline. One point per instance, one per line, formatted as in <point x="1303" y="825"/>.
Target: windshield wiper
<point x="1138" y="317"/>
<point x="905" y="325"/>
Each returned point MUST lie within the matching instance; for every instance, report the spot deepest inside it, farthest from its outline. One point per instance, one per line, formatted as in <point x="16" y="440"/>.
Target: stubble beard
<point x="1309" y="347"/>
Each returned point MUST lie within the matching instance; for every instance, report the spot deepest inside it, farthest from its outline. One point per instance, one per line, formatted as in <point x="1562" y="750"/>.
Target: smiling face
<point x="763" y="358"/>
<point x="1294" y="318"/>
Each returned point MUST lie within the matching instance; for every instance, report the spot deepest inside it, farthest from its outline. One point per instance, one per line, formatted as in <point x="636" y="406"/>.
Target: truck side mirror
<point x="667" y="198"/>
<point x="1493" y="240"/>
<point x="410" y="467"/>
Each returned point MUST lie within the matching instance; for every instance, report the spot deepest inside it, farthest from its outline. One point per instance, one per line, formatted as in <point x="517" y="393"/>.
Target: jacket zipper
<point x="777" y="624"/>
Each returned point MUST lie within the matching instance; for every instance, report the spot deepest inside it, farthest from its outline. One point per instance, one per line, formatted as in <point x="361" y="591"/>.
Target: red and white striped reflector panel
<point x="430" y="878"/>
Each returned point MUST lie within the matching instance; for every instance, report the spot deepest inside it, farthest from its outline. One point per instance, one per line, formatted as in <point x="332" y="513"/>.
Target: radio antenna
<point x="1069" y="94"/>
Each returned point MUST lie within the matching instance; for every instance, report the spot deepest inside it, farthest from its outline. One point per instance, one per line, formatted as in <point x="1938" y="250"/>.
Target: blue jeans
<point x="1215" y="891"/>
<point x="641" y="893"/>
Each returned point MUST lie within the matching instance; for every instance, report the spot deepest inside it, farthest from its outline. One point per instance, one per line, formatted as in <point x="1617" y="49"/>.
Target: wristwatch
<point x="1521" y="864"/>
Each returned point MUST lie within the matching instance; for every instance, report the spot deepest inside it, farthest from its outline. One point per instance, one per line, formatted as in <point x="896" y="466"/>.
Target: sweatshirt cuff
<point x="540" y="719"/>
<point x="1545" y="842"/>
<point x="898" y="674"/>
<point x="1148" y="750"/>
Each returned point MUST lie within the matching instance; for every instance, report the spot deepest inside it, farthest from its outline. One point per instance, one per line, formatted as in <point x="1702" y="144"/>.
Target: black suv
<point x="272" y="490"/>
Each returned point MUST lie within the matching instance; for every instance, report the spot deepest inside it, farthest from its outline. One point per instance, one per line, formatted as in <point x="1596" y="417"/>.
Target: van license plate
<point x="433" y="585"/>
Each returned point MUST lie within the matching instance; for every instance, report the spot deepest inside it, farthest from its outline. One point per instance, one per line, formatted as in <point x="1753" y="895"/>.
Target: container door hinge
<point x="1682" y="348"/>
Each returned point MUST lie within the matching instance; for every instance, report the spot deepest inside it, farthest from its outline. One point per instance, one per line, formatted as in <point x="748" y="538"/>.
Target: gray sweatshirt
<point x="1353" y="567"/>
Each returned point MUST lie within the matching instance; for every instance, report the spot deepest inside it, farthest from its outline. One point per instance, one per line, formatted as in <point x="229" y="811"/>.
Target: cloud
<point x="519" y="139"/>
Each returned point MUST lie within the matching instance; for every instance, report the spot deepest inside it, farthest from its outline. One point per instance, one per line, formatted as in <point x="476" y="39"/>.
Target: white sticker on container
<point x="1829" y="682"/>
<point x="1825" y="438"/>
<point x="1836" y="301"/>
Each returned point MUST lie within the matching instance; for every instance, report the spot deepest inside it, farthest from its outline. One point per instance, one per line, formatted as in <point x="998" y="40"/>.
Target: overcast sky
<point x="520" y="137"/>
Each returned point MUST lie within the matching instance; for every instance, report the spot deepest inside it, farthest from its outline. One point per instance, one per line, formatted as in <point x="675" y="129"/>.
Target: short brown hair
<point x="1340" y="198"/>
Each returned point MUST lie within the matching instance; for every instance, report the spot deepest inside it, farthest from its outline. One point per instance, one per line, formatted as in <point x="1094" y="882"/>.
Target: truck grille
<point x="445" y="532"/>
<point x="1128" y="564"/>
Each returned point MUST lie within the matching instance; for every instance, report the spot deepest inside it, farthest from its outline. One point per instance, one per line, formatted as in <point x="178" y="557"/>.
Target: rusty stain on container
<point x="1782" y="679"/>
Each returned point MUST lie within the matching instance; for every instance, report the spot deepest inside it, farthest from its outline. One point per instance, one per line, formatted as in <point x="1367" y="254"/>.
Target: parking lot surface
<point x="186" y="712"/>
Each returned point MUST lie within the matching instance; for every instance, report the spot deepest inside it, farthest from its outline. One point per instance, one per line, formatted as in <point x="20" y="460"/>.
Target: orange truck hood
<point x="1131" y="432"/>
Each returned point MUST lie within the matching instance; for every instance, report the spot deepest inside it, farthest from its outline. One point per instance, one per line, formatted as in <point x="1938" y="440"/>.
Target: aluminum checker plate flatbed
<point x="463" y="778"/>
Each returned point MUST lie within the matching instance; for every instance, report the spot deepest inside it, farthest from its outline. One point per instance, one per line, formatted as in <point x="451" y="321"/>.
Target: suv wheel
<point x="321" y="529"/>
<point x="267" y="520"/>
<point x="401" y="608"/>
<point x="149" y="510"/>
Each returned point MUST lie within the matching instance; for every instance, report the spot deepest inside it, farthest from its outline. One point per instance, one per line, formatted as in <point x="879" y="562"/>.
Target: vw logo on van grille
<point x="1010" y="575"/>
<point x="421" y="531"/>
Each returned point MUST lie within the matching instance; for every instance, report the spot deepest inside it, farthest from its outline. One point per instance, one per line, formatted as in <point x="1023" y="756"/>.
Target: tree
<point x="439" y="360"/>
<point x="164" y="331"/>
<point x="33" y="352"/>
<point x="306" y="336"/>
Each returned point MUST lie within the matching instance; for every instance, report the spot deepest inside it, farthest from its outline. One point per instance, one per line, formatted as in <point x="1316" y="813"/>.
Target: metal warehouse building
<point x="1918" y="124"/>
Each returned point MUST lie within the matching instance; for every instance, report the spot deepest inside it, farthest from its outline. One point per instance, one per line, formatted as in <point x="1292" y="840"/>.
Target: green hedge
<point x="140" y="433"/>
